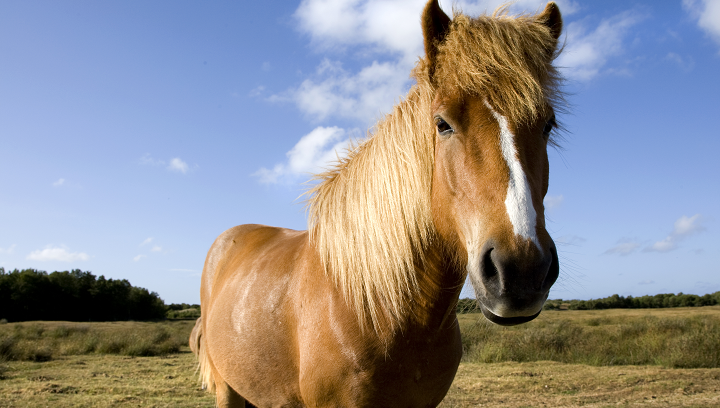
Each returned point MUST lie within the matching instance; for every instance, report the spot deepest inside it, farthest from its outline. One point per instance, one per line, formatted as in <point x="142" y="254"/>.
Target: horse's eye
<point x="443" y="127"/>
<point x="549" y="125"/>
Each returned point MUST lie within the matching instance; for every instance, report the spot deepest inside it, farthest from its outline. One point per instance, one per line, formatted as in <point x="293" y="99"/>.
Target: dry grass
<point x="105" y="380"/>
<point x="119" y="381"/>
<point x="551" y="384"/>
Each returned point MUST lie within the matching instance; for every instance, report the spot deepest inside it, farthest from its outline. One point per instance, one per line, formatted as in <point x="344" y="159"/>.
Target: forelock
<point x="505" y="59"/>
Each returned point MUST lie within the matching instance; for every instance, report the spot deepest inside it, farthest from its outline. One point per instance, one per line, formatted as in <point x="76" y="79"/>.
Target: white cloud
<point x="684" y="227"/>
<point x="552" y="202"/>
<point x="147" y="241"/>
<point x="176" y="164"/>
<point x="139" y="257"/>
<point x="379" y="26"/>
<point x="9" y="250"/>
<point x="686" y="64"/>
<point x="623" y="248"/>
<point x="59" y="183"/>
<point x="156" y="248"/>
<point x="707" y="13"/>
<point x="255" y="92"/>
<point x="311" y="154"/>
<point x="51" y="253"/>
<point x="666" y="245"/>
<point x="567" y="7"/>
<point x="148" y="160"/>
<point x="587" y="53"/>
<point x="363" y="96"/>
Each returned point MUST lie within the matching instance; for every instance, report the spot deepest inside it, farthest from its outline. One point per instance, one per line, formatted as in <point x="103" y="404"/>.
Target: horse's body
<point x="307" y="346"/>
<point x="360" y="310"/>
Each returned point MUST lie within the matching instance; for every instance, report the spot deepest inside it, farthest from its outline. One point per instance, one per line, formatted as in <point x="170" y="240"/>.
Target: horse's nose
<point x="511" y="271"/>
<point x="515" y="282"/>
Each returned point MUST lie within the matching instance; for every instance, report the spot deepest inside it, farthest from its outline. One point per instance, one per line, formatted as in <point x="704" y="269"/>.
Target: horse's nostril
<point x="488" y="268"/>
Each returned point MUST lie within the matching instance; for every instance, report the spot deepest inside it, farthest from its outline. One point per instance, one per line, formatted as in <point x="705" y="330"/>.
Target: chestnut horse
<point x="359" y="310"/>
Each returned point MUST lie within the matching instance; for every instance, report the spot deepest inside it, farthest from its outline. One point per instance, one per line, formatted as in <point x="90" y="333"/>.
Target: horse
<point x="359" y="310"/>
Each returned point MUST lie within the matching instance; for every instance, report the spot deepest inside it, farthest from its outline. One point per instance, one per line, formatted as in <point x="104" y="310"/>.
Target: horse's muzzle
<point x="512" y="287"/>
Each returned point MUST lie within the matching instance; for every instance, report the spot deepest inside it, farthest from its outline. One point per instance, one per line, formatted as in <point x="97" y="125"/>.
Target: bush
<point x="190" y="313"/>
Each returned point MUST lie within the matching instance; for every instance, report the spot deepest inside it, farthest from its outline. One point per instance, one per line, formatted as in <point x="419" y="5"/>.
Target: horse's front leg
<point x="226" y="397"/>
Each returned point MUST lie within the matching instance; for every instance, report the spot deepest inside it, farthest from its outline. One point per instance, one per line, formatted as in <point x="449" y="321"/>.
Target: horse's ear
<point x="435" y="24"/>
<point x="552" y="19"/>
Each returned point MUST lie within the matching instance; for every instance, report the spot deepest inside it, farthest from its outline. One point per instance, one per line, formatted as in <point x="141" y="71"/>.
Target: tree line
<point x="75" y="295"/>
<point x="662" y="300"/>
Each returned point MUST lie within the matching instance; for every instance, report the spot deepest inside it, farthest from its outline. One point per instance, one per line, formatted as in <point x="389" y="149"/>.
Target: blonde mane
<point x="370" y="216"/>
<point x="507" y="59"/>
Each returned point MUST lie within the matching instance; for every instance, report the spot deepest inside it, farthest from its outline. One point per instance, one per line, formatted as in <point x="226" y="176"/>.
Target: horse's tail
<point x="197" y="345"/>
<point x="195" y="335"/>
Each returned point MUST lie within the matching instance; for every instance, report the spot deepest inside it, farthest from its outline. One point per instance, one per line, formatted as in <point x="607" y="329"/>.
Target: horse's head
<point x="494" y="87"/>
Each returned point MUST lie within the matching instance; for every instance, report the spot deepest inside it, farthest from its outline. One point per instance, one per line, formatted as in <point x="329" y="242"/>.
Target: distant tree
<point x="182" y="306"/>
<point x="660" y="300"/>
<point x="74" y="295"/>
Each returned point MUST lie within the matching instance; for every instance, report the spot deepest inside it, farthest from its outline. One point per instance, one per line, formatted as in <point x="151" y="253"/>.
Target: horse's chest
<point x="411" y="374"/>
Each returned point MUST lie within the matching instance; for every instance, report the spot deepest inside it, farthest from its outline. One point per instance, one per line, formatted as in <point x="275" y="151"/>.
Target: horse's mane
<point x="505" y="58"/>
<point x="370" y="216"/>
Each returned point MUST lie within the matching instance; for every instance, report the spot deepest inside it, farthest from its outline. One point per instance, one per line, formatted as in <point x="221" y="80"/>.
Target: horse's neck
<point x="439" y="282"/>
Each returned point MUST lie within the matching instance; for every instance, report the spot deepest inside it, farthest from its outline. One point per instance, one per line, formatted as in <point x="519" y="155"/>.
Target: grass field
<point x="67" y="375"/>
<point x="677" y="337"/>
<point x="44" y="341"/>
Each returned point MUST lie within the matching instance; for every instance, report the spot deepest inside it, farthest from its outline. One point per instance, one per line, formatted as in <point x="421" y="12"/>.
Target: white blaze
<point x="518" y="201"/>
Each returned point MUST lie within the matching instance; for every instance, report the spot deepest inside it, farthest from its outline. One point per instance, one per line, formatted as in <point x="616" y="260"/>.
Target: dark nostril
<point x="488" y="268"/>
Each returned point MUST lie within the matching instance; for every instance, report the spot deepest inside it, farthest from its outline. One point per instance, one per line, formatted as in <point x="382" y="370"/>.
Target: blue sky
<point x="133" y="133"/>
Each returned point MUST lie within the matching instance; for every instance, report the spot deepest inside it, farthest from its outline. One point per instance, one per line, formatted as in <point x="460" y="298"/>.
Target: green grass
<point x="44" y="341"/>
<point x="600" y="338"/>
